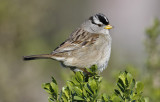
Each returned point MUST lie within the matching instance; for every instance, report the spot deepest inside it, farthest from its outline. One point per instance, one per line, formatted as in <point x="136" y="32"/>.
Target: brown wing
<point x="78" y="39"/>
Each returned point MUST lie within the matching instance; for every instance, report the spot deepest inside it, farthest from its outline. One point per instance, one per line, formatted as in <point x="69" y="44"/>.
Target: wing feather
<point x="77" y="40"/>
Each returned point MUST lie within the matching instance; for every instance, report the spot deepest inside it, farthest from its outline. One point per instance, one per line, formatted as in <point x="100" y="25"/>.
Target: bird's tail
<point x="33" y="57"/>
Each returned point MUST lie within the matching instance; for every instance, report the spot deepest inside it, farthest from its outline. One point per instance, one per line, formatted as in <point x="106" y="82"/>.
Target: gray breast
<point x="105" y="52"/>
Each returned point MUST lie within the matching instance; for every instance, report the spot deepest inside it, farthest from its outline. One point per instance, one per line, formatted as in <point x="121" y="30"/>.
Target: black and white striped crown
<point x="99" y="19"/>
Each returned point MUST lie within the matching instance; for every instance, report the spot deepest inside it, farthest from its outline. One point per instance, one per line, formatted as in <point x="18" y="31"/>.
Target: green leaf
<point x="92" y="84"/>
<point x="78" y="98"/>
<point x="53" y="92"/>
<point x="129" y="79"/>
<point x="54" y="87"/>
<point x="100" y="79"/>
<point x="85" y="93"/>
<point x="78" y="91"/>
<point x="66" y="92"/>
<point x="47" y="87"/>
<point x="117" y="92"/>
<point x="128" y="91"/>
<point x="116" y="99"/>
<point x="79" y="77"/>
<point x="50" y="99"/>
<point x="104" y="98"/>
<point x="54" y="81"/>
<point x="75" y="81"/>
<point x="122" y="76"/>
<point x="127" y="94"/>
<point x="64" y="98"/>
<point x="92" y="69"/>
<point x="70" y="84"/>
<point x="121" y="85"/>
<point x="132" y="84"/>
<point x="87" y="88"/>
<point x="139" y="87"/>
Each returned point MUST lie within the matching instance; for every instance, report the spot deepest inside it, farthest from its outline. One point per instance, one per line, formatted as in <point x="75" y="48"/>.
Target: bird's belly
<point x="99" y="57"/>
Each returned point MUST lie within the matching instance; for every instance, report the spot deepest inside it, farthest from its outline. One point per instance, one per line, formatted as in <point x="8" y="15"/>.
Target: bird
<point x="89" y="44"/>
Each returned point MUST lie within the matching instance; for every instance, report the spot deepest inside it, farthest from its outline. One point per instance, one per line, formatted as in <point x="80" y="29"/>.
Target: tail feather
<point x="33" y="57"/>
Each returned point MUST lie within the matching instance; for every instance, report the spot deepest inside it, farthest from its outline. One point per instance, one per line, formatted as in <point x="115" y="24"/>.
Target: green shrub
<point x="85" y="88"/>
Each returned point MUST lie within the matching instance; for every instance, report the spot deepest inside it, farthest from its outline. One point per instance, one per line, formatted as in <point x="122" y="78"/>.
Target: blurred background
<point x="39" y="26"/>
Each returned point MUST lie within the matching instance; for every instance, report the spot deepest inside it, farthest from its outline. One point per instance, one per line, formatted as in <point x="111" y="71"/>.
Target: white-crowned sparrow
<point x="89" y="45"/>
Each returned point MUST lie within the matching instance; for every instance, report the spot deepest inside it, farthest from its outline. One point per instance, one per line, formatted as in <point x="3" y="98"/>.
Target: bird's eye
<point x="100" y="25"/>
